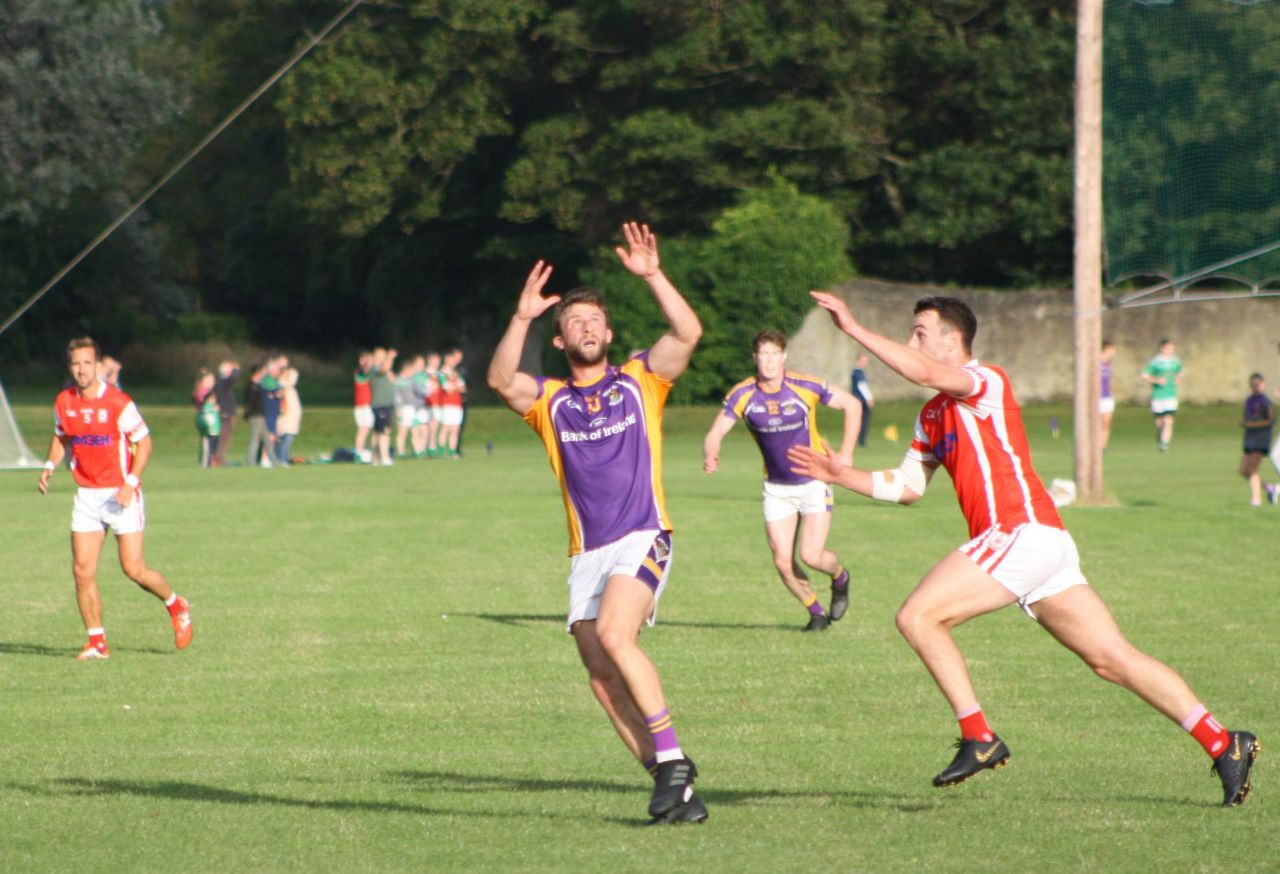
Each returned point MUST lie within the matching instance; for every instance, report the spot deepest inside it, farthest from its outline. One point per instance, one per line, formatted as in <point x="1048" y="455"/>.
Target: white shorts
<point x="645" y="555"/>
<point x="1163" y="407"/>
<point x="784" y="500"/>
<point x="1106" y="405"/>
<point x="421" y="416"/>
<point x="96" y="510"/>
<point x="1032" y="561"/>
<point x="364" y="417"/>
<point x="451" y="415"/>
<point x="404" y="416"/>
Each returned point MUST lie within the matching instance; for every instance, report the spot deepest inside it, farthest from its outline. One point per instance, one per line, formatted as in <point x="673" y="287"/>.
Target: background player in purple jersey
<point x="781" y="409"/>
<point x="602" y="429"/>
<point x="1106" y="395"/>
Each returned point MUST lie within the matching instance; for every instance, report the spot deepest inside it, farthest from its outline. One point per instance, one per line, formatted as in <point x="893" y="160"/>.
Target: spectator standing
<point x="451" y="401"/>
<point x="1259" y="416"/>
<point x="383" y="392"/>
<point x="290" y="421"/>
<point x="208" y="416"/>
<point x="224" y="391"/>
<point x="253" y="414"/>
<point x="363" y="405"/>
<point x="862" y="392"/>
<point x="405" y="415"/>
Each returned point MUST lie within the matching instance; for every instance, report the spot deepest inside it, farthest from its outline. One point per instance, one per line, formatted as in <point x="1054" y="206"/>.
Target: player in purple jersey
<point x="602" y="429"/>
<point x="780" y="409"/>
<point x="1106" y="396"/>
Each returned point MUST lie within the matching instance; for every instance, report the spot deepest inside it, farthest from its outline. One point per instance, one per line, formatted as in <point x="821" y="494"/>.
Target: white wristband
<point x="882" y="489"/>
<point x="49" y="465"/>
<point x="132" y="481"/>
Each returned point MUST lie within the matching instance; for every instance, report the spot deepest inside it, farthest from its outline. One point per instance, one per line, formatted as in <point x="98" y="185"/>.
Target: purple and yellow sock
<point x="841" y="580"/>
<point x="814" y="607"/>
<point x="665" y="746"/>
<point x="651" y="765"/>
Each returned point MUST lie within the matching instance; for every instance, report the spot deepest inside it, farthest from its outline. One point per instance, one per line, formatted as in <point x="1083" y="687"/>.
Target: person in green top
<point x="208" y="416"/>
<point x="1164" y="372"/>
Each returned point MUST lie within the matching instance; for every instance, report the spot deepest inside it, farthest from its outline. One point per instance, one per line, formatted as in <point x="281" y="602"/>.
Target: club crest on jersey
<point x="945" y="446"/>
<point x="613" y="396"/>
<point x="102" y="416"/>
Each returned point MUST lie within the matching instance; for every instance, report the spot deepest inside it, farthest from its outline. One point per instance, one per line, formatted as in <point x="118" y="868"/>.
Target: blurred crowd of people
<point x="424" y="399"/>
<point x="272" y="410"/>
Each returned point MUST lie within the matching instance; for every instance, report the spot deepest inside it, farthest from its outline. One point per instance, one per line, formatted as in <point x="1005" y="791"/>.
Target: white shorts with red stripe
<point x="1032" y="561"/>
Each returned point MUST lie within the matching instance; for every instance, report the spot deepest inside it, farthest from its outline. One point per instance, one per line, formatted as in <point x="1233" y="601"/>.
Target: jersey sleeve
<point x="736" y="400"/>
<point x="919" y="448"/>
<point x="131" y="423"/>
<point x="655" y="388"/>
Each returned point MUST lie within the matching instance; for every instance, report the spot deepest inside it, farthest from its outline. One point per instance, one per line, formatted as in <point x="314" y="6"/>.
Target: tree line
<point x="398" y="183"/>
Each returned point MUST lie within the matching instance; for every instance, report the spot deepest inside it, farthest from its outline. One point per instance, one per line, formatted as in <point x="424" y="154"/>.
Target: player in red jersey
<point x="1019" y="550"/>
<point x="109" y="445"/>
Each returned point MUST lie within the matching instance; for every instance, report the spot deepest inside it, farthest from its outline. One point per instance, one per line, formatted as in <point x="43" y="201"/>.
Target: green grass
<point x="380" y="679"/>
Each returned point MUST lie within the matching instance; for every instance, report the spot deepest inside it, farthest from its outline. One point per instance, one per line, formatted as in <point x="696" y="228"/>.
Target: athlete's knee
<point x="784" y="564"/>
<point x="614" y="639"/>
<point x="84" y="572"/>
<point x="1111" y="662"/>
<point x="812" y="556"/>
<point x="134" y="568"/>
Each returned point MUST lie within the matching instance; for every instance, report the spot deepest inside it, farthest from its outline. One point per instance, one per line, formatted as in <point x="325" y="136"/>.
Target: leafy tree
<point x="75" y="105"/>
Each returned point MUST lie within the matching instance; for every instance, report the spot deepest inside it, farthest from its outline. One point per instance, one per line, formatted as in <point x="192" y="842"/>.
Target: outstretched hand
<point x="838" y="309"/>
<point x="806" y="461"/>
<point x="641" y="254"/>
<point x="532" y="304"/>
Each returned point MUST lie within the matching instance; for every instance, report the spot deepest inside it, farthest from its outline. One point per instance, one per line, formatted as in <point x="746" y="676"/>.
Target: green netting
<point x="1191" y="140"/>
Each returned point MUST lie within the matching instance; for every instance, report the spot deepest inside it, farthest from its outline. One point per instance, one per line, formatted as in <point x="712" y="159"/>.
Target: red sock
<point x="1206" y="730"/>
<point x="973" y="725"/>
<point x="99" y="640"/>
<point x="176" y="607"/>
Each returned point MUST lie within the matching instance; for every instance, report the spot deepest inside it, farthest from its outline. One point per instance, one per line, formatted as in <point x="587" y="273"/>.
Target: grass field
<point x="380" y="679"/>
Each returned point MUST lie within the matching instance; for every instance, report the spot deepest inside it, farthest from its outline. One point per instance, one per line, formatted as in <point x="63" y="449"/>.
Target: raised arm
<point x="519" y="390"/>
<point x="907" y="362"/>
<point x="711" y="443"/>
<point x="670" y="355"/>
<point x="905" y="485"/>
<point x="852" y="409"/>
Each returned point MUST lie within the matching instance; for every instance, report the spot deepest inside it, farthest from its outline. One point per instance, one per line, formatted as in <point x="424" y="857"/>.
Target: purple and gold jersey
<point x="604" y="441"/>
<point x="780" y="420"/>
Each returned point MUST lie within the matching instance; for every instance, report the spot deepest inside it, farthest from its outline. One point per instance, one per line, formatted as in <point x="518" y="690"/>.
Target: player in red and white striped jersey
<point x="109" y="445"/>
<point x="1019" y="550"/>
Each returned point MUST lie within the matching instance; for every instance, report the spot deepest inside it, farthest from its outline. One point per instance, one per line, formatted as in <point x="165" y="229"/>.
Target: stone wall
<point x="1029" y="334"/>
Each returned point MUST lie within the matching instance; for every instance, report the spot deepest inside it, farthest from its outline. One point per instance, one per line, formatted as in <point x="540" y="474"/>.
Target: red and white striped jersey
<point x="982" y="443"/>
<point x="100" y="431"/>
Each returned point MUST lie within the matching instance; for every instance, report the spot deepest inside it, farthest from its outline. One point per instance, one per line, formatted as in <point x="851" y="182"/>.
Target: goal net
<point x="1191" y="131"/>
<point x="14" y="451"/>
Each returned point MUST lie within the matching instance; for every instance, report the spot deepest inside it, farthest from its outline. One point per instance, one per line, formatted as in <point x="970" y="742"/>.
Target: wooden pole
<point x="1088" y="250"/>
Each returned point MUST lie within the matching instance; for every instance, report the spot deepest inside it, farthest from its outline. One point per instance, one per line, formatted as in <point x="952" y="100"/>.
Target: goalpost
<point x="14" y="451"/>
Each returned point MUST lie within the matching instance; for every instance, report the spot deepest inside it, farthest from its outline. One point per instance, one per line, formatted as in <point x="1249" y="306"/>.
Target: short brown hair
<point x="580" y="295"/>
<point x="85" y="343"/>
<point x="954" y="314"/>
<point x="768" y="335"/>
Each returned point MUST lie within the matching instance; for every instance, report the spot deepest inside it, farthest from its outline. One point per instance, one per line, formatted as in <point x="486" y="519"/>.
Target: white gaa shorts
<point x="1162" y="407"/>
<point x="1032" y="561"/>
<point x="404" y="415"/>
<point x="421" y="416"/>
<point x="645" y="555"/>
<point x="784" y="500"/>
<point x="96" y="510"/>
<point x="364" y="417"/>
<point x="1106" y="405"/>
<point x="450" y="415"/>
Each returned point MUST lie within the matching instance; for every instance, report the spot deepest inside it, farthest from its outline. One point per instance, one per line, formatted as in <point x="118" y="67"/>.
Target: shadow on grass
<point x="176" y="790"/>
<point x="65" y="652"/>
<point x="558" y="619"/>
<point x="450" y="781"/>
